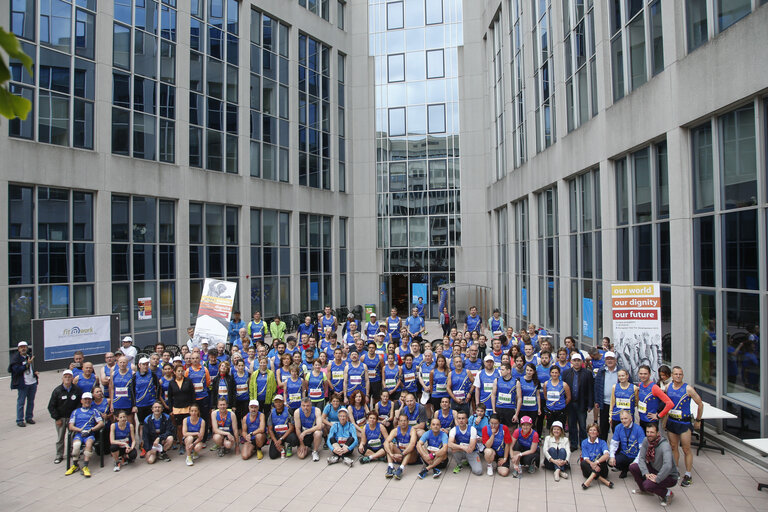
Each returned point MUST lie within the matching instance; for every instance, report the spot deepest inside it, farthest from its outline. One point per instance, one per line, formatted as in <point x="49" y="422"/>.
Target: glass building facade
<point x="414" y="45"/>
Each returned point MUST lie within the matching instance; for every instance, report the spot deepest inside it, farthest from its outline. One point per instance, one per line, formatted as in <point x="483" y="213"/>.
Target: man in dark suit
<point x="23" y="379"/>
<point x="581" y="382"/>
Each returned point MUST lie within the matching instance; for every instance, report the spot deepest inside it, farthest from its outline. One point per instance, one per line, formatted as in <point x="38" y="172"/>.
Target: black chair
<point x="99" y="446"/>
<point x="149" y="349"/>
<point x="174" y="350"/>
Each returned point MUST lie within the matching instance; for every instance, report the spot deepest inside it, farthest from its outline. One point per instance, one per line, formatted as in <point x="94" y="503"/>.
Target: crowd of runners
<point x="485" y="397"/>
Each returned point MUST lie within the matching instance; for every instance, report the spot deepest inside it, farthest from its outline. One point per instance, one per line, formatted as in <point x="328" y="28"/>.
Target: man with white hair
<point x="64" y="399"/>
<point x="84" y="422"/>
<point x="23" y="379"/>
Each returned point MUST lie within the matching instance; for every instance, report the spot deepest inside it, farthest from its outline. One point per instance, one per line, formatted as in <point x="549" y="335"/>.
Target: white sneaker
<point x="195" y="455"/>
<point x="564" y="475"/>
<point x="333" y="459"/>
<point x="190" y="462"/>
<point x="315" y="456"/>
<point x="490" y="471"/>
<point x="557" y="475"/>
<point x="348" y="461"/>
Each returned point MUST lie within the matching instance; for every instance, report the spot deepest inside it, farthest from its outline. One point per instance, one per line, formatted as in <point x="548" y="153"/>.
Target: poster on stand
<point x="145" y="308"/>
<point x="636" y="313"/>
<point x="215" y="311"/>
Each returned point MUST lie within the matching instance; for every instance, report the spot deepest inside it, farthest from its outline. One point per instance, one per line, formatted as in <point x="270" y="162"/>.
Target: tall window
<point x="497" y="67"/>
<point x="549" y="267"/>
<point x="643" y="235"/>
<point x="319" y="7"/>
<point x="341" y="13"/>
<point x="314" y="113"/>
<point x="213" y="248"/>
<point x="213" y="85"/>
<point x="518" y="80"/>
<point x="343" y="261"/>
<point x="543" y="74"/>
<point x="520" y="249"/>
<point x="580" y="67"/>
<point x="144" y="79"/>
<point x="50" y="256"/>
<point x="144" y="267"/>
<point x="729" y="199"/>
<point x="502" y="237"/>
<point x="315" y="261"/>
<point x="707" y="18"/>
<point x="270" y="262"/>
<point x="270" y="131"/>
<point x="637" y="47"/>
<point x="342" y="123"/>
<point x="586" y="257"/>
<point x="62" y="88"/>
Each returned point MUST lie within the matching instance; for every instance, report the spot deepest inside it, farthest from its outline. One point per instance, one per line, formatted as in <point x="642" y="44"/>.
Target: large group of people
<point x="488" y="398"/>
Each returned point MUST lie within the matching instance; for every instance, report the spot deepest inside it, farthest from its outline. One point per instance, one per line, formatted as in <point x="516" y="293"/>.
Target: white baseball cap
<point x="87" y="394"/>
<point x="489" y="357"/>
<point x="127" y="338"/>
<point x="576" y="355"/>
<point x="143" y="360"/>
<point x="610" y="354"/>
<point x="67" y="372"/>
<point x="372" y="314"/>
<point x="253" y="402"/>
<point x="557" y="424"/>
<point x="23" y="344"/>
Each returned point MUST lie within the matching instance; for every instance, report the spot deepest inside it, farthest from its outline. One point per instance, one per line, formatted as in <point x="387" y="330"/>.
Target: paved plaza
<point x="30" y="481"/>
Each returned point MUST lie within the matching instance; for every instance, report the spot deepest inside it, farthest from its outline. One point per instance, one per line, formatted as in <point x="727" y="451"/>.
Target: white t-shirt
<point x="129" y="353"/>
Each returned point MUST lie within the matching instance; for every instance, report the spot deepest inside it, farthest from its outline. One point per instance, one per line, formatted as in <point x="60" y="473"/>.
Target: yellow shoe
<point x="86" y="472"/>
<point x="259" y="455"/>
<point x="72" y="469"/>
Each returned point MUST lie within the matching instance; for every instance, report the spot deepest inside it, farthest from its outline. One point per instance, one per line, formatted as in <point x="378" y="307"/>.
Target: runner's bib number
<point x="409" y="377"/>
<point x="222" y="390"/>
<point x="337" y="374"/>
<point x="488" y="387"/>
<point x="315" y="393"/>
<point x="121" y="392"/>
<point x="529" y="401"/>
<point x="505" y="398"/>
<point x="374" y="443"/>
<point x="459" y="394"/>
<point x="676" y="414"/>
<point x="642" y="407"/>
<point x="198" y="387"/>
<point x="242" y="388"/>
<point x="294" y="397"/>
<point x="623" y="403"/>
<point x="281" y="429"/>
<point x="371" y="374"/>
<point x="355" y="380"/>
<point x="390" y="383"/>
<point x="441" y="388"/>
<point x="553" y="396"/>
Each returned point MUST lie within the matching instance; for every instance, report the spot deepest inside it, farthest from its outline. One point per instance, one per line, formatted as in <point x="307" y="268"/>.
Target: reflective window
<point x="315" y="261"/>
<point x="543" y="58"/>
<point x="396" y="67"/>
<point x="394" y="15"/>
<point x="718" y="14"/>
<point x="580" y="67"/>
<point x="637" y="46"/>
<point x="314" y="113"/>
<point x="498" y="98"/>
<point x="270" y="262"/>
<point x="319" y="7"/>
<point x="517" y="118"/>
<point x="434" y="11"/>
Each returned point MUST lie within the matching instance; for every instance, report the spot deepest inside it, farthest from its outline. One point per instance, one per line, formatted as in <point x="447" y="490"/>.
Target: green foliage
<point x="12" y="106"/>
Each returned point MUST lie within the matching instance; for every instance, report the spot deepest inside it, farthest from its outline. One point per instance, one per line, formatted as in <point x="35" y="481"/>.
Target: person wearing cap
<point x="282" y="431"/>
<point x="525" y="447"/>
<point x="484" y="381"/>
<point x="128" y="350"/>
<point x="581" y="383"/>
<point x="157" y="434"/>
<point x="605" y="379"/>
<point x="65" y="398"/>
<point x="83" y="421"/>
<point x="342" y="439"/>
<point x="24" y="380"/>
<point x="557" y="451"/>
<point x="254" y="432"/>
<point x="371" y="327"/>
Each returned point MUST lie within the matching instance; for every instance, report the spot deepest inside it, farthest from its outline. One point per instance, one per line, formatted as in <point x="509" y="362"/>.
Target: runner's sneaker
<point x="365" y="459"/>
<point x="214" y="447"/>
<point x="348" y="461"/>
<point x="490" y="470"/>
<point x="288" y="450"/>
<point x="390" y="472"/>
<point x="117" y="467"/>
<point x="532" y="468"/>
<point x="164" y="456"/>
<point x="74" y="468"/>
<point x="424" y="471"/>
<point x="457" y="469"/>
<point x="563" y="474"/>
<point x="398" y="473"/>
<point x="190" y="462"/>
<point x="86" y="472"/>
<point x="686" y="481"/>
<point x="315" y="456"/>
<point x="436" y="473"/>
<point x="557" y="475"/>
<point x="220" y="452"/>
<point x="333" y="459"/>
<point x="195" y="455"/>
<point x="666" y="500"/>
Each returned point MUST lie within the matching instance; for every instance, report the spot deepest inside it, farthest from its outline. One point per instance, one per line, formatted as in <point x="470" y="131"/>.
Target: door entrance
<point x="400" y="294"/>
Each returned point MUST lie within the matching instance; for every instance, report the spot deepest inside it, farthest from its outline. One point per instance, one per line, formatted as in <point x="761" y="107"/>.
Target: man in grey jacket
<point x="654" y="469"/>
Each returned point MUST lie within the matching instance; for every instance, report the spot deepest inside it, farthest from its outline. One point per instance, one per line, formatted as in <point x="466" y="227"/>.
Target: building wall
<point x="715" y="78"/>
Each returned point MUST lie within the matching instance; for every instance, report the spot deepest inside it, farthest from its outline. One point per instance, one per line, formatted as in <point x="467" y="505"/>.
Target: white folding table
<point x="710" y="413"/>
<point x="762" y="445"/>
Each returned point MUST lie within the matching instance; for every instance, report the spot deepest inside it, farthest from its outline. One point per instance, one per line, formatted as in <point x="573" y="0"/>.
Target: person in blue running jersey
<point x="305" y="328"/>
<point x="374" y="363"/>
<point x="371" y="327"/>
<point x="445" y="415"/>
<point x="497" y="441"/>
<point x="594" y="458"/>
<point x="281" y="430"/>
<point x="679" y="424"/>
<point x="623" y="397"/>
<point x="257" y="329"/>
<point x="625" y="443"/>
<point x="525" y="447"/>
<point x="473" y="322"/>
<point x="496" y="323"/>
<point x="372" y="439"/>
<point x="479" y="420"/>
<point x="122" y="441"/>
<point x="193" y="433"/>
<point x="483" y="382"/>
<point x="309" y="429"/>
<point x="506" y="399"/>
<point x="355" y="376"/>
<point x="224" y="427"/>
<point x="342" y="440"/>
<point x="85" y="379"/>
<point x="294" y="389"/>
<point x="400" y="447"/>
<point x="433" y="449"/>
<point x="556" y="395"/>
<point x="84" y="422"/>
<point x="458" y="385"/>
<point x="254" y="428"/>
<point x="119" y="387"/>
<point x="328" y="320"/>
<point x="331" y="412"/>
<point x="439" y="382"/>
<point x="462" y="442"/>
